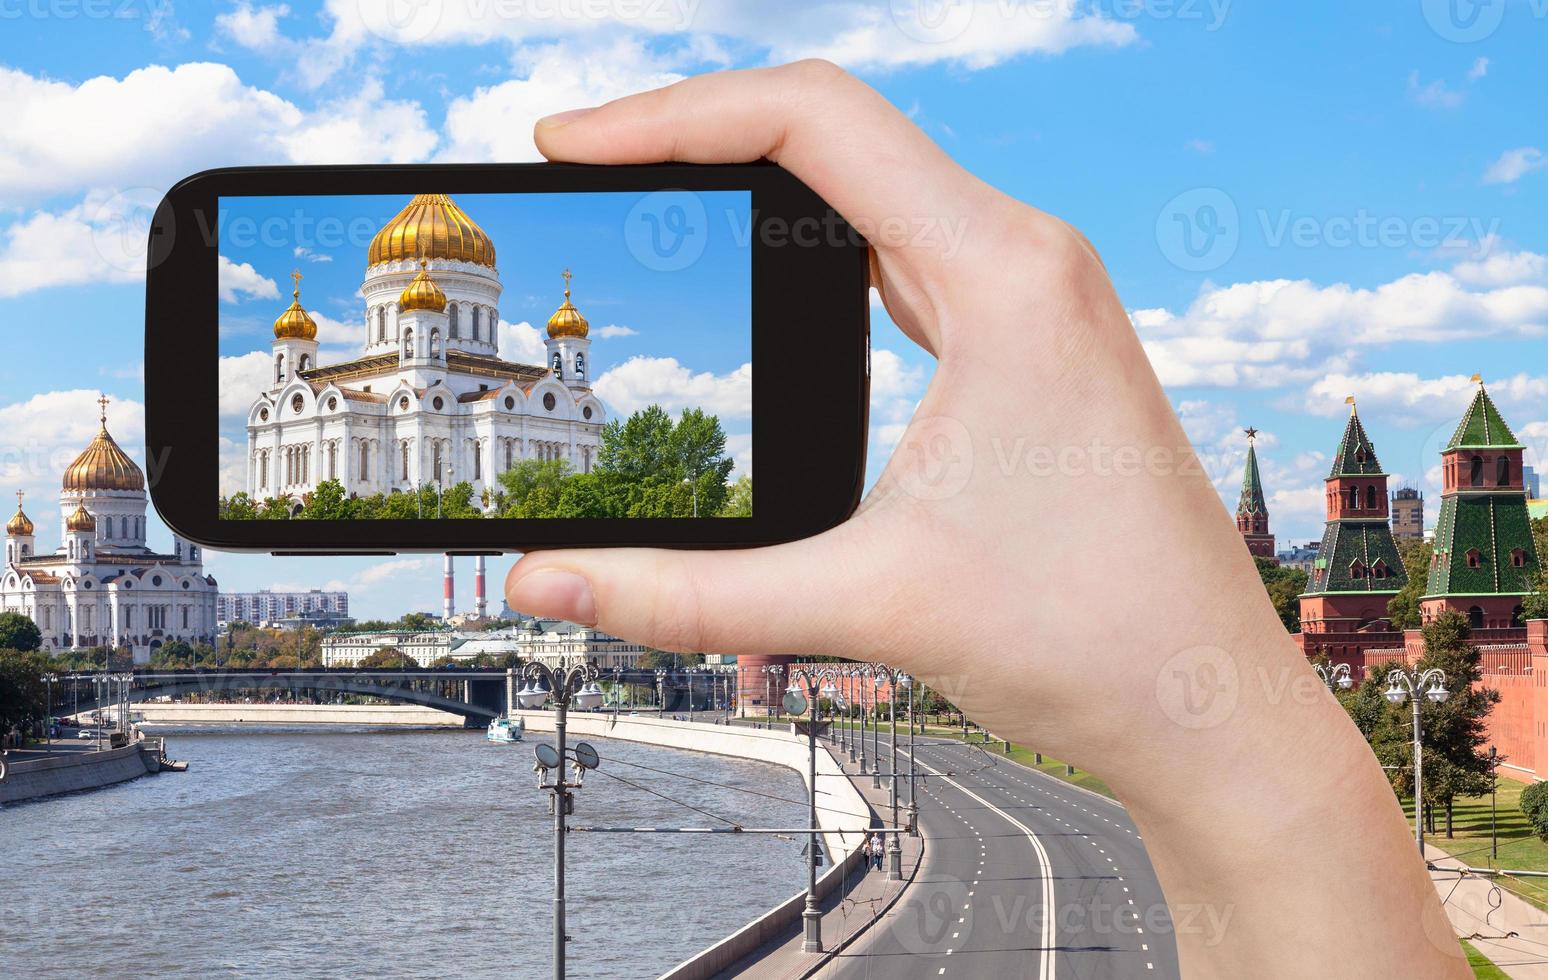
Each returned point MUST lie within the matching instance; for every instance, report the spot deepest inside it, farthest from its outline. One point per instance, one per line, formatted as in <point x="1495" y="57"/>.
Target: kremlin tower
<point x="1251" y="510"/>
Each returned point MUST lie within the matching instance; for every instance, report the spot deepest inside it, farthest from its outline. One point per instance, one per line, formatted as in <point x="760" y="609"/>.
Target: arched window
<point x="365" y="458"/>
<point x="1475" y="617"/>
<point x="381" y="323"/>
<point x="1475" y="478"/>
<point x="1474" y="558"/>
<point x="508" y="445"/>
<point x="580" y="365"/>
<point x="123" y="526"/>
<point x="306" y="363"/>
<point x="279" y="368"/>
<point x="1502" y="471"/>
<point x="1379" y="570"/>
<point x="1370" y="498"/>
<point x="1518" y="557"/>
<point x="408" y="344"/>
<point x="435" y="343"/>
<point x="436" y="464"/>
<point x="478" y="462"/>
<point x="1354" y="498"/>
<point x="405" y="462"/>
<point x="451" y="331"/>
<point x="475" y="323"/>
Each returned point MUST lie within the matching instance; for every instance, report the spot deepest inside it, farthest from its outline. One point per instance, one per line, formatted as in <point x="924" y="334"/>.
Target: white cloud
<point x="1201" y="147"/>
<point x="495" y="123"/>
<point x="522" y="343"/>
<point x="302" y="252"/>
<point x="739" y="447"/>
<point x="642" y="381"/>
<point x="233" y="467"/>
<point x="242" y="278"/>
<point x="1503" y="269"/>
<point x="242" y="379"/>
<point x="615" y="330"/>
<point x="365" y="126"/>
<point x="254" y="28"/>
<point x="1275" y="332"/>
<point x="1480" y="69"/>
<point x="1515" y="164"/>
<point x="92" y="242"/>
<point x="1407" y="399"/>
<point x="895" y="390"/>
<point x="1433" y="95"/>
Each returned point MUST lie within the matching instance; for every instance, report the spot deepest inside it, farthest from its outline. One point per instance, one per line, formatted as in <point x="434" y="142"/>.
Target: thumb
<point x="803" y="597"/>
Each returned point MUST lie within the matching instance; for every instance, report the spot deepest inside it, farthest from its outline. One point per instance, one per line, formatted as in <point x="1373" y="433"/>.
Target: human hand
<point x="1041" y="547"/>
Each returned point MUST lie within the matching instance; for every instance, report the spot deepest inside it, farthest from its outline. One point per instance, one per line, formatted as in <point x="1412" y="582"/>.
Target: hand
<point x="1042" y="547"/>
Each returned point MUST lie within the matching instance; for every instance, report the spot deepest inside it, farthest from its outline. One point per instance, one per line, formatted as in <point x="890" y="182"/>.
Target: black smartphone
<point x="494" y="358"/>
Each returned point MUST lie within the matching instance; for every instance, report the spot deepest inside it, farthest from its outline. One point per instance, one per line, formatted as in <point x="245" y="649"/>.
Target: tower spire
<point x="1251" y="507"/>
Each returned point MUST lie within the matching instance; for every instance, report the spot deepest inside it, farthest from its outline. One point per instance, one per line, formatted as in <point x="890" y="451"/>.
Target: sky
<point x="675" y="333"/>
<point x="1297" y="202"/>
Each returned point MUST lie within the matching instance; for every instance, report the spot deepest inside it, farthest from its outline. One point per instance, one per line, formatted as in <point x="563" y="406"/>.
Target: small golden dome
<point x="295" y="323"/>
<point x="422" y="293"/>
<point x="567" y="320"/>
<point x="103" y="465"/>
<point x="80" y="520"/>
<point x="21" y="524"/>
<point x="431" y="226"/>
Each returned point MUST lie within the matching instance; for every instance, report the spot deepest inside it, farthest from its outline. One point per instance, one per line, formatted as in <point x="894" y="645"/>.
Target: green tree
<point x="329" y="502"/>
<point x="22" y="691"/>
<point x="238" y="507"/>
<point x="739" y="499"/>
<point x="640" y="446"/>
<point x="1403" y="608"/>
<point x="17" y="632"/>
<point x="1284" y="587"/>
<point x="388" y="657"/>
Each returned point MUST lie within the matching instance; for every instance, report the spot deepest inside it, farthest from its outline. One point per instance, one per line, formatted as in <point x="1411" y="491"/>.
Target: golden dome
<point x="21" y="524"/>
<point x="431" y="226"/>
<point x="81" y="520"/>
<point x="422" y="293"/>
<point x="567" y="320"/>
<point x="103" y="466"/>
<point x="295" y="323"/>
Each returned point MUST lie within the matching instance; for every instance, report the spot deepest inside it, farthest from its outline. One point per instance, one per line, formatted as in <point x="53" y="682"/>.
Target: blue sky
<point x="675" y="337"/>
<point x="1297" y="202"/>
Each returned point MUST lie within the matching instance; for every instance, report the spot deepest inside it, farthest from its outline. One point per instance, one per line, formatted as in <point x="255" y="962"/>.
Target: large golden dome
<point x="295" y="323"/>
<point x="432" y="226"/>
<point x="567" y="320"/>
<point x="21" y="524"/>
<point x="103" y="466"/>
<point x="422" y="293"/>
<point x="80" y="520"/>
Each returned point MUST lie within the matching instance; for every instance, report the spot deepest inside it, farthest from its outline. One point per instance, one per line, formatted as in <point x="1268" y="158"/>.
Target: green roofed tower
<point x="1251" y="509"/>
<point x="1358" y="569"/>
<point x="1485" y="560"/>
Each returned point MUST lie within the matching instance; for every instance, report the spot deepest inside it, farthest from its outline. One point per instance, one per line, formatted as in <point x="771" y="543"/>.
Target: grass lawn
<point x="1520" y="849"/>
<point x="1481" y="966"/>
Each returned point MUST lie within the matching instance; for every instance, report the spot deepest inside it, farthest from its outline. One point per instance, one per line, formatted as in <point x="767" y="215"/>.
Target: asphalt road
<point x="1004" y="843"/>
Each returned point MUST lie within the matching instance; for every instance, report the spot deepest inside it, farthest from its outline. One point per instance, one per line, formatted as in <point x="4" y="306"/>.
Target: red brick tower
<point x="1251" y="510"/>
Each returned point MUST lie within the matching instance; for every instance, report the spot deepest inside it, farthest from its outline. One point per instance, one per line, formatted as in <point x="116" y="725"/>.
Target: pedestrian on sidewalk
<point x="877" y="850"/>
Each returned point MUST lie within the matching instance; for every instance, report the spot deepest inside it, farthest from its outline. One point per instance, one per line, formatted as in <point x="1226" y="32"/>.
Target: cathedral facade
<point x="103" y="587"/>
<point x="429" y="401"/>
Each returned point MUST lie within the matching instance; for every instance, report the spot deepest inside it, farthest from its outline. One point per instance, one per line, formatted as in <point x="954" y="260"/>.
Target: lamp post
<point x="774" y="671"/>
<point x="48" y="712"/>
<point x="895" y="848"/>
<point x="1404" y="685"/>
<point x="877" y="670"/>
<point x="907" y="681"/>
<point x="810" y="679"/>
<point x="1334" y="674"/>
<point x="566" y="684"/>
<point x="1494" y="776"/>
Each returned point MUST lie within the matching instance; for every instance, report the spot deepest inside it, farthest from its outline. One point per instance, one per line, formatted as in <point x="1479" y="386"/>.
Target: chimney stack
<point x="480" y="606"/>
<point x="449" y="602"/>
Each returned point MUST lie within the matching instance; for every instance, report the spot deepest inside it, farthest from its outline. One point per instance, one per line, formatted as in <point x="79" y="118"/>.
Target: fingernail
<point x="554" y="593"/>
<point x="564" y="118"/>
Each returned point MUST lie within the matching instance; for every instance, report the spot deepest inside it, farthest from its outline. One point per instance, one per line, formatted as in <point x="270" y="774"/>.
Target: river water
<point x="312" y="853"/>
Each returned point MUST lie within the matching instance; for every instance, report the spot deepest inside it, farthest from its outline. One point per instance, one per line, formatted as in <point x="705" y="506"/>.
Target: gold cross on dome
<point x="1251" y="433"/>
<point x="295" y="276"/>
<point x="103" y="401"/>
<point x="566" y="273"/>
<point x="19" y="495"/>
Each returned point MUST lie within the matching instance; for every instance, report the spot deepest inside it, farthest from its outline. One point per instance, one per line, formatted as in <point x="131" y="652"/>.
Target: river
<point x="312" y="853"/>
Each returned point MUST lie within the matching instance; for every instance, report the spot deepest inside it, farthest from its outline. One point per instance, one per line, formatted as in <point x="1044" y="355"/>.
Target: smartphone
<point x="493" y="358"/>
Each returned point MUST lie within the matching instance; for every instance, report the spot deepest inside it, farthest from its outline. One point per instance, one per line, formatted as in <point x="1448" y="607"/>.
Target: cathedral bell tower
<point x="422" y="325"/>
<point x="19" y="540"/>
<point x="295" y="340"/>
<point x="569" y="350"/>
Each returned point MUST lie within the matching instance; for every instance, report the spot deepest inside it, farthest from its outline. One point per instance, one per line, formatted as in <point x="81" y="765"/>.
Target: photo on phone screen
<point x="493" y="356"/>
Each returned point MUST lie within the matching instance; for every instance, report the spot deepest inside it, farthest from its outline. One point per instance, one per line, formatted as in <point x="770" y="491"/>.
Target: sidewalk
<point x="865" y="897"/>
<point x="1471" y="902"/>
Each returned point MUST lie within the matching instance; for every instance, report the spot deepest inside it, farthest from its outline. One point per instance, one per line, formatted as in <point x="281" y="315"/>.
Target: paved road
<point x="1003" y="843"/>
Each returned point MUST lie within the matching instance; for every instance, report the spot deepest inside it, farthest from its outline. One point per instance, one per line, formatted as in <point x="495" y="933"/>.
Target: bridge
<point x="478" y="694"/>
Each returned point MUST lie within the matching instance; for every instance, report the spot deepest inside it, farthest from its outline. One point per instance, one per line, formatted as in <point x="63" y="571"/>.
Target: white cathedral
<point x="430" y="402"/>
<point x="102" y="587"/>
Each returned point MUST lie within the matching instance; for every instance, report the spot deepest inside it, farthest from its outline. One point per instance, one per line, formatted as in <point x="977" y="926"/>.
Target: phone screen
<point x="532" y="356"/>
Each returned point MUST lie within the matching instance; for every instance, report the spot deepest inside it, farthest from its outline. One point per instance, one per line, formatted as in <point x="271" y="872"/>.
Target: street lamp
<point x="660" y="691"/>
<point x="575" y="683"/>
<point x="48" y="712"/>
<point x="774" y="671"/>
<point x="1494" y="777"/>
<point x="907" y="681"/>
<point x="1334" y="674"/>
<point x="895" y="850"/>
<point x="1403" y="685"/>
<point x="796" y="702"/>
<point x="831" y="692"/>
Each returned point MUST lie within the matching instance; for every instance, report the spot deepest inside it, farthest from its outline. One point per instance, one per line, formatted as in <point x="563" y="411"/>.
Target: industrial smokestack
<point x="480" y="606"/>
<point x="449" y="592"/>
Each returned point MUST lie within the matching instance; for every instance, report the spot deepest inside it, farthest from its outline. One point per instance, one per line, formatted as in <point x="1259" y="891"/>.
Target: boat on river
<point x="506" y="730"/>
